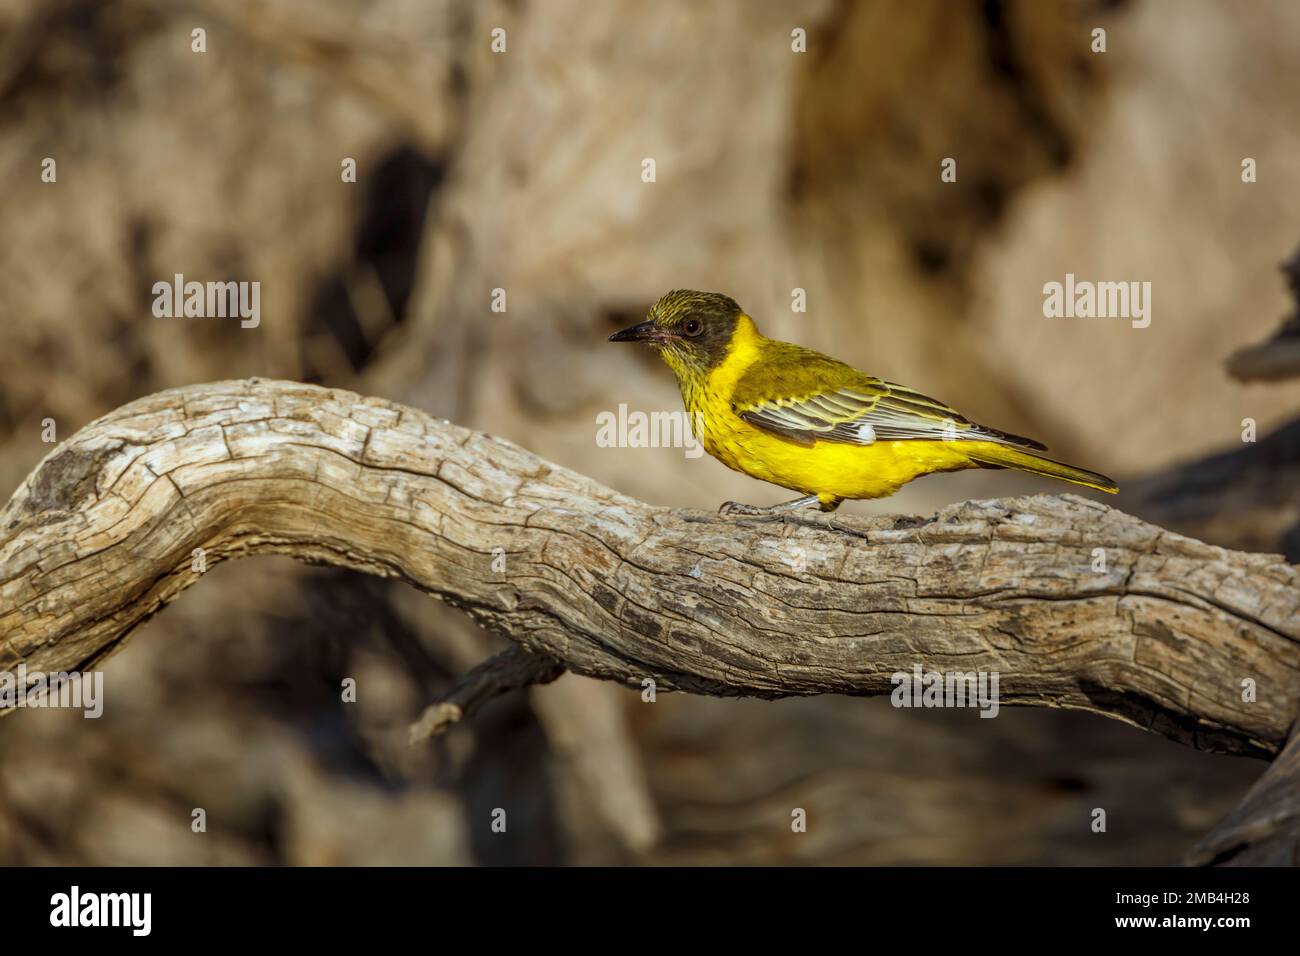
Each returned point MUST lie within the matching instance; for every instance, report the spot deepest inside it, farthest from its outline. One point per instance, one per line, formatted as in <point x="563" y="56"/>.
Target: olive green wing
<point x="806" y="397"/>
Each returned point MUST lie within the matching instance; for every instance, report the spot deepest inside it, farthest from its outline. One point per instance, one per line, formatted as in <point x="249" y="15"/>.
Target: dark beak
<point x="645" y="332"/>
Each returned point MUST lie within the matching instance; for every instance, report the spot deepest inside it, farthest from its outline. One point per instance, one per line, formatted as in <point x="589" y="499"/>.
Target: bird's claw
<point x="771" y="511"/>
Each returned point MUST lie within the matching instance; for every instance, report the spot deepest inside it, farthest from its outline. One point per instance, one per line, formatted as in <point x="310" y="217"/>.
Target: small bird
<point x="802" y="420"/>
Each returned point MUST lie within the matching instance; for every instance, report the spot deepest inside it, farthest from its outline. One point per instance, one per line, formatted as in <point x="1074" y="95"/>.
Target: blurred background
<point x="521" y="170"/>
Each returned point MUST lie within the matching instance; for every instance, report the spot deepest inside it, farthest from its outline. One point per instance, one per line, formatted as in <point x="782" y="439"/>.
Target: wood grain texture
<point x="100" y="537"/>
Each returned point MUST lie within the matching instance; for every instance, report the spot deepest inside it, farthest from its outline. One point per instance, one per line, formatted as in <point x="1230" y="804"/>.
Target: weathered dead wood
<point x="512" y="669"/>
<point x="1072" y="603"/>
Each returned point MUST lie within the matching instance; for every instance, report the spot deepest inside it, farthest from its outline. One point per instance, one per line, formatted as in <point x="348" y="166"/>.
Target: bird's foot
<point x="737" y="508"/>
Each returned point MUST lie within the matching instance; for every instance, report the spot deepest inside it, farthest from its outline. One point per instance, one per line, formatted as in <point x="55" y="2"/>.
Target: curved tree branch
<point x="1073" y="604"/>
<point x="512" y="669"/>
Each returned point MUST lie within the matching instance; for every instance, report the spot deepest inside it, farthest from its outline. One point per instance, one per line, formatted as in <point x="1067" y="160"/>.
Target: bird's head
<point x="692" y="331"/>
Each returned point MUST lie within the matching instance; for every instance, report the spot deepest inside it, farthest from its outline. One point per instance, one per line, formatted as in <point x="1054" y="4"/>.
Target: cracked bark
<point x="1074" y="604"/>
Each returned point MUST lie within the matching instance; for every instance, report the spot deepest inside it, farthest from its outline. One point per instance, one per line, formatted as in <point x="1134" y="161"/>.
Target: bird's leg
<point x="736" y="508"/>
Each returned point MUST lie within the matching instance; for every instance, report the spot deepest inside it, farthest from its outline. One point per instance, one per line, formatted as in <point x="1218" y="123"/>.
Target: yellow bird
<point x="799" y="419"/>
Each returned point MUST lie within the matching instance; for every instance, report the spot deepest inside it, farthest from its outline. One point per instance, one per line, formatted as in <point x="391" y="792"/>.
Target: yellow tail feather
<point x="1003" y="456"/>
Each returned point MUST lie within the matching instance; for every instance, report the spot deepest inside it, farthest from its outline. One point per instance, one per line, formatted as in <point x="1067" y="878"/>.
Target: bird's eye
<point x="693" y="327"/>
